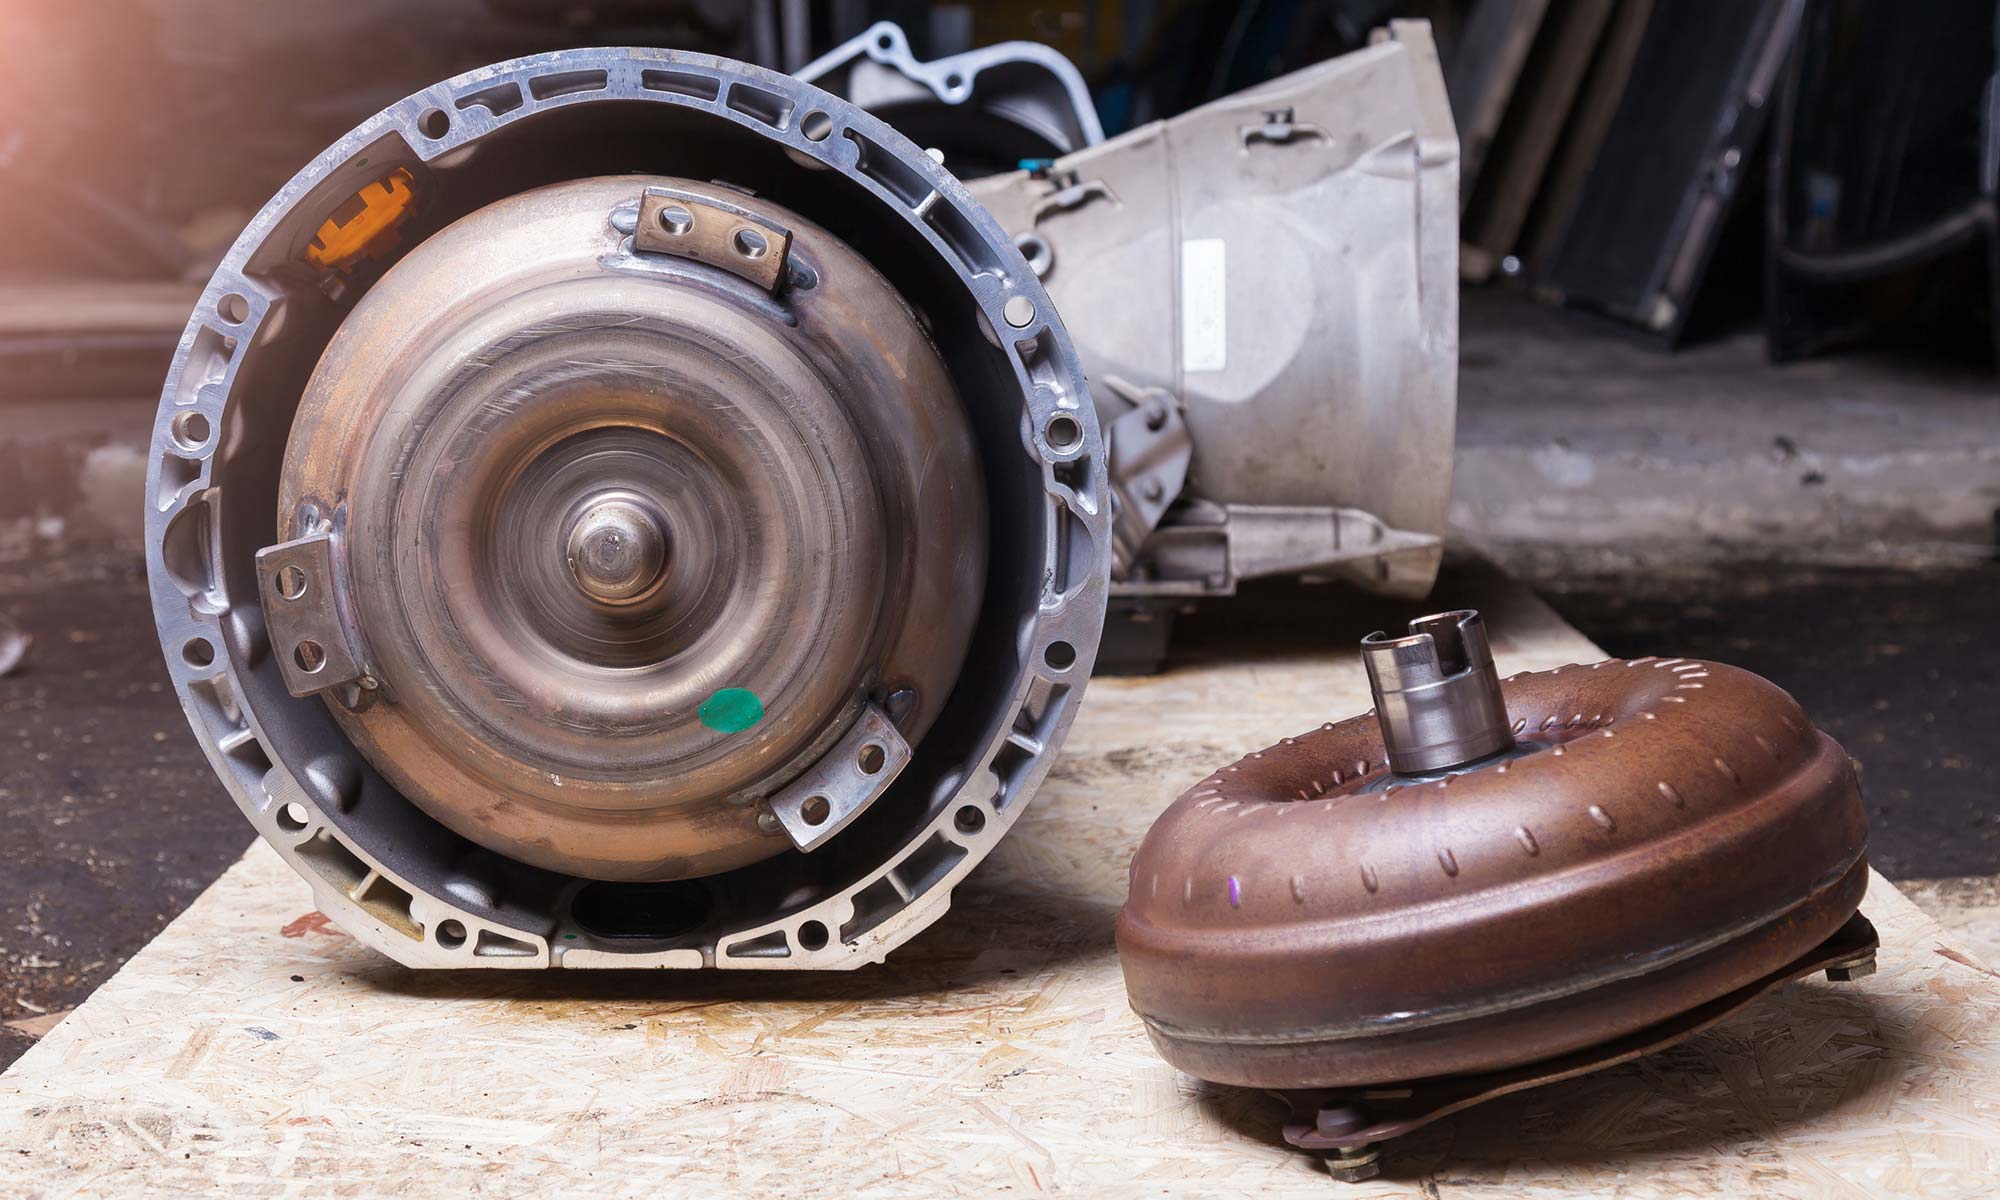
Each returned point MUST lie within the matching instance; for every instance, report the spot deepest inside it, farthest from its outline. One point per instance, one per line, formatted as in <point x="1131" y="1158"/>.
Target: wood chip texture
<point x="254" y="1050"/>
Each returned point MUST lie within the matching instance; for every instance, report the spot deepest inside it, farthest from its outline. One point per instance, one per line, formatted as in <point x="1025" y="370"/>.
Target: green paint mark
<point x="731" y="710"/>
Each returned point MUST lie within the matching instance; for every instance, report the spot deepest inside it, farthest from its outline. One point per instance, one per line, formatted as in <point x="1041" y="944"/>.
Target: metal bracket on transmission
<point x="1208" y="548"/>
<point x="1022" y="84"/>
<point x="1066" y="193"/>
<point x="295" y="581"/>
<point x="716" y="232"/>
<point x="848" y="778"/>
<point x="1280" y="125"/>
<point x="1150" y="449"/>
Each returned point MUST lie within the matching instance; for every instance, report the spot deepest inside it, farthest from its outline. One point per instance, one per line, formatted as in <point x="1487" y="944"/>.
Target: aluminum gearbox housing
<point x="628" y="508"/>
<point x="1265" y="293"/>
<point x="985" y="110"/>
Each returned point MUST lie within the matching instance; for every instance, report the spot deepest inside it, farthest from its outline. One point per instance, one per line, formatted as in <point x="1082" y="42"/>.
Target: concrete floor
<point x="1829" y="525"/>
<point x="114" y="820"/>
<point x="1895" y="664"/>
<point x="1582" y="445"/>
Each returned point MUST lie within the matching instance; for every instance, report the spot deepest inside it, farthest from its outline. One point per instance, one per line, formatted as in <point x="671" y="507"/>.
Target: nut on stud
<point x="1355" y="1164"/>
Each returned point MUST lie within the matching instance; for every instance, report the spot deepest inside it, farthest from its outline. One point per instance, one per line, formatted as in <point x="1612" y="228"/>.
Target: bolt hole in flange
<point x="969" y="819"/>
<point x="309" y="655"/>
<point x="812" y="936"/>
<point x="816" y="126"/>
<point x="1063" y="433"/>
<point x="434" y="124"/>
<point x="451" y="935"/>
<point x="199" y="652"/>
<point x="292" y="581"/>
<point x="815" y="810"/>
<point x="191" y="431"/>
<point x="1060" y="656"/>
<point x="233" y="308"/>
<point x="871" y="758"/>
<point x="1036" y="249"/>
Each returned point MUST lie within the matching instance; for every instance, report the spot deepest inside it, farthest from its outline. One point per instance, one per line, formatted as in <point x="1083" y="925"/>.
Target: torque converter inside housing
<point x="628" y="508"/>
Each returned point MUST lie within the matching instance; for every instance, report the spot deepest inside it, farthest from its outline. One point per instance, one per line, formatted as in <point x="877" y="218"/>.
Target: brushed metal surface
<point x="522" y="372"/>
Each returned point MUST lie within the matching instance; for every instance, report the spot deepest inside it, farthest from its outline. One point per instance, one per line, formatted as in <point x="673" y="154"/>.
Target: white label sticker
<point x="1204" y="305"/>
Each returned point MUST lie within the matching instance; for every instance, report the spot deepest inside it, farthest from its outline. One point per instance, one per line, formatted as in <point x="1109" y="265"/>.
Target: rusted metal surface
<point x="1303" y="919"/>
<point x="569" y="506"/>
<point x="1352" y="1120"/>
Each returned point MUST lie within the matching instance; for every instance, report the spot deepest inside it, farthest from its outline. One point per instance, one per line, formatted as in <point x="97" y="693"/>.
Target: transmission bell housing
<point x="628" y="508"/>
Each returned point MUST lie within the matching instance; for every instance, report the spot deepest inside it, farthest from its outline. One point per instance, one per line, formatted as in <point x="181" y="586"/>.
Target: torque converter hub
<point x="616" y="548"/>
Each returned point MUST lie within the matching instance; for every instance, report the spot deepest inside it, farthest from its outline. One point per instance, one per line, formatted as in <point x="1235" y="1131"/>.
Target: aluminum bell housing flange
<point x="1479" y="887"/>
<point x="628" y="508"/>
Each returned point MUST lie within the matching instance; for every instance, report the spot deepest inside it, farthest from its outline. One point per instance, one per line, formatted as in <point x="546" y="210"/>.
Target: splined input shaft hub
<point x="1437" y="695"/>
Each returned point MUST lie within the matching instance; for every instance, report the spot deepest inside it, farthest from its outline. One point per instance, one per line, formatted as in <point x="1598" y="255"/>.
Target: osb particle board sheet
<point x="253" y="1050"/>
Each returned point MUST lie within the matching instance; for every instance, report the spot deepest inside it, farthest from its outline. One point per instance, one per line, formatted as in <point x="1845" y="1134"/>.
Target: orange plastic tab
<point x="365" y="226"/>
